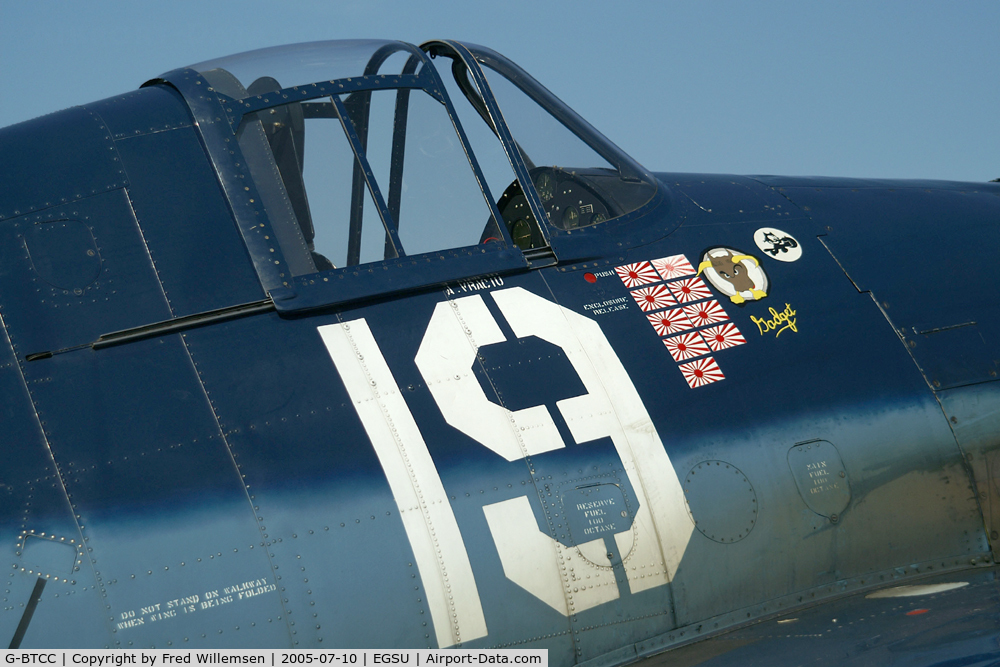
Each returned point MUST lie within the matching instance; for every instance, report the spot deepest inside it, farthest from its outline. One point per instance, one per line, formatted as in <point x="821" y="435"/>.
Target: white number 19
<point x="566" y="578"/>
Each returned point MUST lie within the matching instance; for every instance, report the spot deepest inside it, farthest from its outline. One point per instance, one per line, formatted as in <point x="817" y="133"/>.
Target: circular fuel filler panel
<point x="721" y="500"/>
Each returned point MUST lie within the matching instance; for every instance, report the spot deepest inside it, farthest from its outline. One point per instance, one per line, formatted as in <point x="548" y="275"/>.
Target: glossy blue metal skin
<point x="216" y="487"/>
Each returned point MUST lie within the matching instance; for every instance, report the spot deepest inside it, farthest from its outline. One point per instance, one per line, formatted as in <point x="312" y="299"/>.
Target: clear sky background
<point x="899" y="89"/>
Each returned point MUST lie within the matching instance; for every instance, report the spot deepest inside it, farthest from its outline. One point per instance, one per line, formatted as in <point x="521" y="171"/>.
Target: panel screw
<point x="834" y="518"/>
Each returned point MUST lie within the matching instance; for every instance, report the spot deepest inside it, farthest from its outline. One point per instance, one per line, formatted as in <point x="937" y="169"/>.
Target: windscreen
<point x="336" y="203"/>
<point x="301" y="64"/>
<point x="353" y="153"/>
<point x="582" y="179"/>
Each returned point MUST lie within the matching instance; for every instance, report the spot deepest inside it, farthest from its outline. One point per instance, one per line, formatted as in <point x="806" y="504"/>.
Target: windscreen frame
<point x="427" y="80"/>
<point x="458" y="50"/>
<point x="218" y="117"/>
<point x="475" y="60"/>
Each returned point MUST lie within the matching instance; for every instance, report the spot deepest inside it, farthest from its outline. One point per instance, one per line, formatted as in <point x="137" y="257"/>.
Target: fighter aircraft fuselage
<point x="356" y="361"/>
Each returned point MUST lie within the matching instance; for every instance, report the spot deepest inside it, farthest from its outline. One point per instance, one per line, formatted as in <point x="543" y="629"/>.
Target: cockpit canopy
<point x="373" y="151"/>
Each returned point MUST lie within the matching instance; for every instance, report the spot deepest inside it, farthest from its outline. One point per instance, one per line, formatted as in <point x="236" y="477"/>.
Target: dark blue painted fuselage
<point x="216" y="480"/>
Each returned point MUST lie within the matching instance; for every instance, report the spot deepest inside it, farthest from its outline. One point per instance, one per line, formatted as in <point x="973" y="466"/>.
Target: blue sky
<point x="890" y="89"/>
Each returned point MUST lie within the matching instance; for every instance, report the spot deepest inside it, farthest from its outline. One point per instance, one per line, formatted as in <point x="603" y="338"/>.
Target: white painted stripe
<point x="438" y="547"/>
<point x="913" y="591"/>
